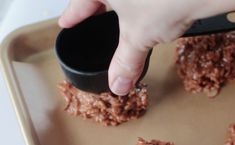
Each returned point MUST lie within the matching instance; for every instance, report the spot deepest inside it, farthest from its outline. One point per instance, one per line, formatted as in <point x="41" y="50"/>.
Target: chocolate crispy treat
<point x="205" y="63"/>
<point x="231" y="135"/>
<point x="105" y="108"/>
<point x="141" y="141"/>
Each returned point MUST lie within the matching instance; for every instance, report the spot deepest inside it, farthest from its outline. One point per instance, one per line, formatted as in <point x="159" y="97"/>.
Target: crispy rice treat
<point x="205" y="63"/>
<point x="105" y="108"/>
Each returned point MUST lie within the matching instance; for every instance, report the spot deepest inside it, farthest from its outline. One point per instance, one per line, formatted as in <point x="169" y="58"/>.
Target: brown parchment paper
<point x="173" y="115"/>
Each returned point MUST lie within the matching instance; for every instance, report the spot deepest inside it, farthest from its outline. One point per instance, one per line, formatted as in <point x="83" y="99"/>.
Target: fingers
<point x="78" y="10"/>
<point x="126" y="67"/>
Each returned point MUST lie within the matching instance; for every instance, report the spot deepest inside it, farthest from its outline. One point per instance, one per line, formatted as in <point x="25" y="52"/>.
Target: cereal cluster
<point x="205" y="63"/>
<point x="105" y="108"/>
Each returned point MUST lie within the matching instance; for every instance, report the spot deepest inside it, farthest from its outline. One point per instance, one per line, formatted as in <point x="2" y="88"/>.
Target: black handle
<point x="211" y="25"/>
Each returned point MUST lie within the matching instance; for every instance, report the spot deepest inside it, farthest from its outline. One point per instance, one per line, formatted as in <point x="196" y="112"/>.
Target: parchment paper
<point x="173" y="115"/>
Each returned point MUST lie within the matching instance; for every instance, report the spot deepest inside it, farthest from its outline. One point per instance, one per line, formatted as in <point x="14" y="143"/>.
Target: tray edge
<point x="12" y="84"/>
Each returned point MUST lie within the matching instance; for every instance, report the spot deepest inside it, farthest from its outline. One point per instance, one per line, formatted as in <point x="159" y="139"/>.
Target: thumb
<point x="126" y="67"/>
<point x="78" y="10"/>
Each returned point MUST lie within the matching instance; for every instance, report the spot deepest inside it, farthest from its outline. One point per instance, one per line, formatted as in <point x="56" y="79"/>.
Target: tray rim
<point x="12" y="84"/>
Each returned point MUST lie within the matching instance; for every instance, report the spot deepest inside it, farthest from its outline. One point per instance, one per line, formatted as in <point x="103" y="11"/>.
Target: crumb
<point x="141" y="141"/>
<point x="231" y="135"/>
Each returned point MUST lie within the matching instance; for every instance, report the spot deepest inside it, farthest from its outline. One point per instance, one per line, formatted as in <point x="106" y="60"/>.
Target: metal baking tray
<point x="32" y="75"/>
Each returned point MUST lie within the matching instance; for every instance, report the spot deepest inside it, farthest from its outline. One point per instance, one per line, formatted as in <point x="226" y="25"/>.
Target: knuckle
<point x="166" y="39"/>
<point x="137" y="41"/>
<point x="132" y="68"/>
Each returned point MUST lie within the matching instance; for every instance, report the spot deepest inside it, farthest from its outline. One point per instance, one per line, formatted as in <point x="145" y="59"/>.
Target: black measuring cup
<point x="85" y="51"/>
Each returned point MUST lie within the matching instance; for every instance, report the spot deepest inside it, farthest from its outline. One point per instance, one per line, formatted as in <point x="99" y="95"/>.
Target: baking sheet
<point x="33" y="74"/>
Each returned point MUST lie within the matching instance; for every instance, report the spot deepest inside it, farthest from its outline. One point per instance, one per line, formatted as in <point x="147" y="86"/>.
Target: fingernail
<point x="121" y="86"/>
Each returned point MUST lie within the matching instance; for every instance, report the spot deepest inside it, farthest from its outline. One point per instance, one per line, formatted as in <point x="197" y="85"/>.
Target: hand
<point x="143" y="24"/>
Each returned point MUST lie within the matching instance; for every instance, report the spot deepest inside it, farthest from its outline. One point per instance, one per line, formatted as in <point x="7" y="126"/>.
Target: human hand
<point x="143" y="24"/>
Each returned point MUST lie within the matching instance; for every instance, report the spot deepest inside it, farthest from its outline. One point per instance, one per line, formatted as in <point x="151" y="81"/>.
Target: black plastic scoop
<point x="215" y="24"/>
<point x="85" y="51"/>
